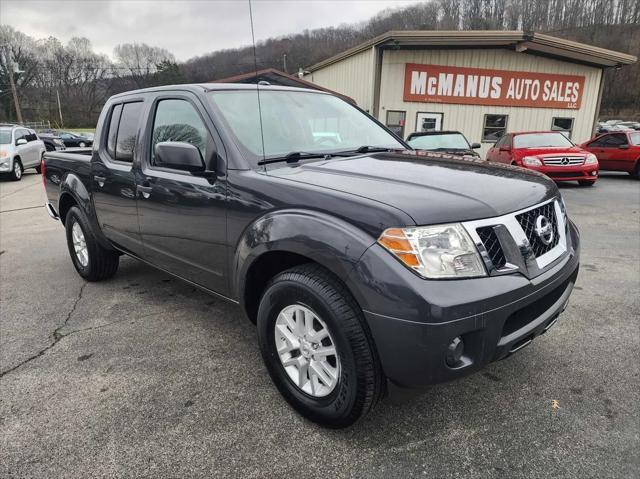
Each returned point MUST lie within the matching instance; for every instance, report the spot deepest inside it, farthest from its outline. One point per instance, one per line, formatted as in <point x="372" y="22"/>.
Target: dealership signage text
<point x="479" y="86"/>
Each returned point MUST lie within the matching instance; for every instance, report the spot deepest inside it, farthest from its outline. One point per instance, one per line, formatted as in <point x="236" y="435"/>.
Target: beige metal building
<point x="482" y="83"/>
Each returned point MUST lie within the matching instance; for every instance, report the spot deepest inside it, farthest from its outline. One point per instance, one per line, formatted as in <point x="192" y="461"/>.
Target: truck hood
<point x="428" y="189"/>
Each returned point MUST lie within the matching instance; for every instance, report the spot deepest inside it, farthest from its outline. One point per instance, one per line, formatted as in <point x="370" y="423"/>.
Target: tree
<point x="140" y="61"/>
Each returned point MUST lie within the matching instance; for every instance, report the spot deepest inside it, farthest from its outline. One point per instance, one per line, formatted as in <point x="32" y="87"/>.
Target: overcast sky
<point x="186" y="28"/>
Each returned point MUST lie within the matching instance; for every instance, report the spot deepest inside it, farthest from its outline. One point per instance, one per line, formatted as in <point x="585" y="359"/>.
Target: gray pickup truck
<point x="363" y="265"/>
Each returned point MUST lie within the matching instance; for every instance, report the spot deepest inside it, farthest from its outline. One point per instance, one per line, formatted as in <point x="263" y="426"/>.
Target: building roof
<point x="277" y="77"/>
<point x="519" y="41"/>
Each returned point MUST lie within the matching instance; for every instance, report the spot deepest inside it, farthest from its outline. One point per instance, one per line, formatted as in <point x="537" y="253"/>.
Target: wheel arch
<point x="287" y="238"/>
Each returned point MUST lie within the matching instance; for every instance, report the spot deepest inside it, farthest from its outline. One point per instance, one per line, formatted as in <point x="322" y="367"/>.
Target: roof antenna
<point x="255" y="65"/>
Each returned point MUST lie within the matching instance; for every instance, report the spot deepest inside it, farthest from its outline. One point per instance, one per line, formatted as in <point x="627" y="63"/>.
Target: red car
<point x="549" y="152"/>
<point x="619" y="151"/>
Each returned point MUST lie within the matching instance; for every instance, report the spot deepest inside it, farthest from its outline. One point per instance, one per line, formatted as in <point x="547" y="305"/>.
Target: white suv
<point x="20" y="148"/>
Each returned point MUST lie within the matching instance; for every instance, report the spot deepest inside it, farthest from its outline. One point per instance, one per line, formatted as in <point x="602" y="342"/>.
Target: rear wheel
<point x="92" y="261"/>
<point x="316" y="347"/>
<point x="586" y="182"/>
<point x="636" y="171"/>
<point x="82" y="144"/>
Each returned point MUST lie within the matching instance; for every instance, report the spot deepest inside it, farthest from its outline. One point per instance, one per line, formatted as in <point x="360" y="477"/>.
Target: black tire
<point x="361" y="381"/>
<point x="586" y="182"/>
<point x="82" y="144"/>
<point x="38" y="169"/>
<point x="16" y="175"/>
<point x="636" y="171"/>
<point x="102" y="263"/>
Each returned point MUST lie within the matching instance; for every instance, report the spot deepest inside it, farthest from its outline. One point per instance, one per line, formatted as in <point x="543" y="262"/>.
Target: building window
<point x="494" y="127"/>
<point x="396" y="121"/>
<point x="564" y="125"/>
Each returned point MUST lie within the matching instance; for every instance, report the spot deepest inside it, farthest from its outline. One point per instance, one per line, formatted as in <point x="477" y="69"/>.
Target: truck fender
<point x="73" y="185"/>
<point x="329" y="241"/>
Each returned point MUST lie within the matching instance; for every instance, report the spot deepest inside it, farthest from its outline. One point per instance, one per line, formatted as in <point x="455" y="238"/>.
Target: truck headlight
<point x="531" y="161"/>
<point x="443" y="251"/>
<point x="591" y="159"/>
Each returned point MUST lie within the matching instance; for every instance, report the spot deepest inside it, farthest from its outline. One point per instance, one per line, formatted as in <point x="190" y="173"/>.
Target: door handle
<point x="100" y="180"/>
<point x="145" y="191"/>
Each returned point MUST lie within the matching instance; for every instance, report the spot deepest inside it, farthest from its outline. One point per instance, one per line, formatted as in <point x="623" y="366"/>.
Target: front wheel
<point x="317" y="348"/>
<point x="586" y="182"/>
<point x="92" y="261"/>
<point x="636" y="171"/>
<point x="82" y="144"/>
<point x="16" y="172"/>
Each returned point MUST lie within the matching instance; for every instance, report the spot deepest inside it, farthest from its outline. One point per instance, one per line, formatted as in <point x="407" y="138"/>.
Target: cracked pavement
<point x="144" y="376"/>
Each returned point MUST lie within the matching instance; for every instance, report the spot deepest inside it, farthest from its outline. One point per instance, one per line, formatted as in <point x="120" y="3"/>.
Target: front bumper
<point x="568" y="173"/>
<point x="413" y="321"/>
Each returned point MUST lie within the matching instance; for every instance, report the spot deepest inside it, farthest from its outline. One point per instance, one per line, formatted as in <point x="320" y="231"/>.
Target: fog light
<point x="454" y="352"/>
<point x="594" y="173"/>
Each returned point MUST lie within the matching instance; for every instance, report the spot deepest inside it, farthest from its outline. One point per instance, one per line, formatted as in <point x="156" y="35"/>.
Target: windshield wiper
<point x="372" y="149"/>
<point x="296" y="156"/>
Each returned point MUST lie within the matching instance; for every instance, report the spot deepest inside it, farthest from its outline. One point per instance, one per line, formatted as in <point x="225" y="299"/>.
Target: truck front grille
<point x="528" y="222"/>
<point x="510" y="243"/>
<point x="491" y="243"/>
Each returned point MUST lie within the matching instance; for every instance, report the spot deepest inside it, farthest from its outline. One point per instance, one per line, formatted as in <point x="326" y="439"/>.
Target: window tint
<point x="177" y="120"/>
<point x="495" y="126"/>
<point x="564" y="125"/>
<point x="618" y="139"/>
<point x="113" y="130"/>
<point x="610" y="141"/>
<point x="127" y="130"/>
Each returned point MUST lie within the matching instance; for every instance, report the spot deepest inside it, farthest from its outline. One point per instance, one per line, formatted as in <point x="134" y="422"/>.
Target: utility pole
<point x="59" y="109"/>
<point x="284" y="62"/>
<point x="11" y="71"/>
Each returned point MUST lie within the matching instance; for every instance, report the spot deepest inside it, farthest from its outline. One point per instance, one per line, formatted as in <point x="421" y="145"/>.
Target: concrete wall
<point x="469" y="118"/>
<point x="352" y="76"/>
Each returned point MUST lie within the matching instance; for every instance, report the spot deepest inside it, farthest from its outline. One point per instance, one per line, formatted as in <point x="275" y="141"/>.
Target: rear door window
<point x="127" y="131"/>
<point x="113" y="130"/>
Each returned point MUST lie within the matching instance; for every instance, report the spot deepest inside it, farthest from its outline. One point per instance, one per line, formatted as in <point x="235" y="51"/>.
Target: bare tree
<point x="140" y="61"/>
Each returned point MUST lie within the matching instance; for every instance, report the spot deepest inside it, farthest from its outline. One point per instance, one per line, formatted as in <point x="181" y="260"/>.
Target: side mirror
<point x="21" y="141"/>
<point x="475" y="146"/>
<point x="505" y="148"/>
<point x="624" y="147"/>
<point x="179" y="155"/>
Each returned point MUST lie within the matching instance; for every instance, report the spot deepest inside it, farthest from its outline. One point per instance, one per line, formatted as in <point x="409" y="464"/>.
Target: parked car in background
<point x="360" y="266"/>
<point x="617" y="151"/>
<point x="71" y="139"/>
<point x="51" y="141"/>
<point x="451" y="142"/>
<point x="20" y="149"/>
<point x="634" y="125"/>
<point x="549" y="152"/>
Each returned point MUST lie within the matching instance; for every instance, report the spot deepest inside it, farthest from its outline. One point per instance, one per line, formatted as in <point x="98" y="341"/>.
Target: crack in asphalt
<point x="21" y="209"/>
<point x="56" y="335"/>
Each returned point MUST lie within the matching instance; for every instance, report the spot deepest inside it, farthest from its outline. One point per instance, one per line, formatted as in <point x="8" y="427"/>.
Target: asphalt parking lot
<point x="144" y="376"/>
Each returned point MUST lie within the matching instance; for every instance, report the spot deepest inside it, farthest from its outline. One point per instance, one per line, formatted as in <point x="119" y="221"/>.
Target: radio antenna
<point x="255" y="66"/>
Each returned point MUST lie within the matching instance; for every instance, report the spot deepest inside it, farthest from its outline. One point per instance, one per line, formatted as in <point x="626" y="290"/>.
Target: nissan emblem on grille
<point x="544" y="229"/>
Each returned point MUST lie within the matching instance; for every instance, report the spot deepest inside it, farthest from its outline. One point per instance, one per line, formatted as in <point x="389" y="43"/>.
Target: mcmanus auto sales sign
<point x="479" y="86"/>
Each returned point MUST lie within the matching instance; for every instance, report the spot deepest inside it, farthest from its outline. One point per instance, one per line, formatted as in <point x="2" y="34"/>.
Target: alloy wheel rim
<point x="17" y="170"/>
<point x="80" y="245"/>
<point x="306" y="350"/>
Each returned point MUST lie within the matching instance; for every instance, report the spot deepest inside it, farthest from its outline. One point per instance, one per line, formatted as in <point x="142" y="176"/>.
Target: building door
<point x="429" y="122"/>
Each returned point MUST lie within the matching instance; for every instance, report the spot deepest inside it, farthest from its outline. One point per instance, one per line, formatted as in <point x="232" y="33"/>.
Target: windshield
<point x="447" y="141"/>
<point x="5" y="137"/>
<point x="296" y="121"/>
<point x="635" y="138"/>
<point x="542" y="140"/>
